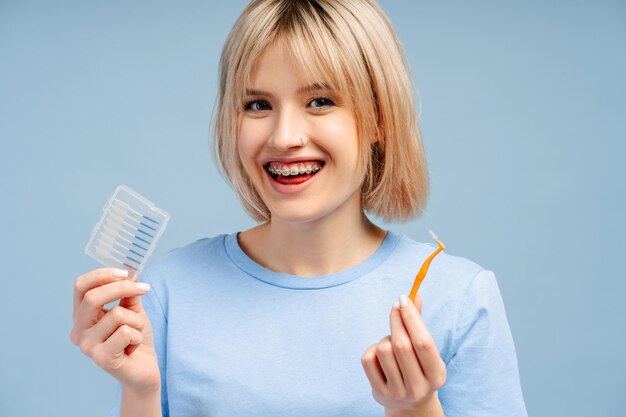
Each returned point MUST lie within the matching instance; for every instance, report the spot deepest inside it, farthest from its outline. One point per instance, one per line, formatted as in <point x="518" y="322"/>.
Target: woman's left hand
<point x="405" y="369"/>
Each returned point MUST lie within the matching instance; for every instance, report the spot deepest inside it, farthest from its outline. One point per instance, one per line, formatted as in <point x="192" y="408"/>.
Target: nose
<point x="289" y="127"/>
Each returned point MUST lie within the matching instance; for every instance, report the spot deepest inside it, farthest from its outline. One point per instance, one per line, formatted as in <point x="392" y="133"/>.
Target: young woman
<point x="300" y="316"/>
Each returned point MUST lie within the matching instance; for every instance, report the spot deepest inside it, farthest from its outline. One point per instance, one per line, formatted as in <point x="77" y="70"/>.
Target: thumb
<point x="418" y="303"/>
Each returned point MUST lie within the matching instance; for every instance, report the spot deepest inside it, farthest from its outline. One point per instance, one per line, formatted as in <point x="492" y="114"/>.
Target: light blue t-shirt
<point x="235" y="339"/>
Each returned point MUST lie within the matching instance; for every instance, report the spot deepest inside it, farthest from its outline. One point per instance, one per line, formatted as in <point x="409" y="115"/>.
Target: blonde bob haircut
<point x="351" y="45"/>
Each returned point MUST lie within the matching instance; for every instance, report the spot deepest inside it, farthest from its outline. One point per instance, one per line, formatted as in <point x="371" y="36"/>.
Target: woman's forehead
<point x="311" y="72"/>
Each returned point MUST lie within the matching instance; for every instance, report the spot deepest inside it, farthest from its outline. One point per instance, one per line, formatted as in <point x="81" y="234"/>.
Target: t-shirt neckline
<point x="279" y="279"/>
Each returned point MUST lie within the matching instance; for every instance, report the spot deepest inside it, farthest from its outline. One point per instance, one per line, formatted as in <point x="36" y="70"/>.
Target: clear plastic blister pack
<point x="128" y="231"/>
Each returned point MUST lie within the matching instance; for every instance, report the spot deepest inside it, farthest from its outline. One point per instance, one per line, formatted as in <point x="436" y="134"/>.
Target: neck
<point x="323" y="246"/>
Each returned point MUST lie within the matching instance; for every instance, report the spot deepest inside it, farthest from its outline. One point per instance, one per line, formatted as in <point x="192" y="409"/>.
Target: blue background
<point x="522" y="112"/>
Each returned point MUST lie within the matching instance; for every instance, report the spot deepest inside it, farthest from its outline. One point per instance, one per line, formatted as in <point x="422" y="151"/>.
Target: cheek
<point x="340" y="135"/>
<point x="249" y="140"/>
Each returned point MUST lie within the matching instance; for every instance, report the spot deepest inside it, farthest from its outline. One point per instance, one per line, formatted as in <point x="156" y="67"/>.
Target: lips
<point x="294" y="180"/>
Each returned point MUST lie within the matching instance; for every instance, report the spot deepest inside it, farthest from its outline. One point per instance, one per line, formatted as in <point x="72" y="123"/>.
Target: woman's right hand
<point x="118" y="340"/>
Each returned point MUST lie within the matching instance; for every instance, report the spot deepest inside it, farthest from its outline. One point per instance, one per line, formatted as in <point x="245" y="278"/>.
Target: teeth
<point x="277" y="168"/>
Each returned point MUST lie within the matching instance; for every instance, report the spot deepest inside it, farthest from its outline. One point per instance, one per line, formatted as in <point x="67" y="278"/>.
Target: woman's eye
<point x="257" y="105"/>
<point x="321" y="102"/>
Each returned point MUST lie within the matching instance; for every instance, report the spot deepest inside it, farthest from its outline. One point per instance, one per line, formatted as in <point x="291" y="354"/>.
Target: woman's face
<point x="280" y="109"/>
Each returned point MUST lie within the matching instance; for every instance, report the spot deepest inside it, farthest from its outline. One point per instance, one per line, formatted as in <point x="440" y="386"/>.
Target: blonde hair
<point x="353" y="43"/>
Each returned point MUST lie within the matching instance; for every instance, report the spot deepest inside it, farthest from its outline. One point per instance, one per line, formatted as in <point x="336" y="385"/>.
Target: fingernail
<point x="396" y="304"/>
<point x="143" y="286"/>
<point x="120" y="273"/>
<point x="403" y="301"/>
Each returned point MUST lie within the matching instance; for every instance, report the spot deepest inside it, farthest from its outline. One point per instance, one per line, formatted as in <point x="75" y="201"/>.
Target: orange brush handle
<point x="424" y="270"/>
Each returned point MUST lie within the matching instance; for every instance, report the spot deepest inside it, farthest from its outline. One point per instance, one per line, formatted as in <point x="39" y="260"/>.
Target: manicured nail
<point x="396" y="304"/>
<point x="120" y="273"/>
<point x="143" y="286"/>
<point x="403" y="301"/>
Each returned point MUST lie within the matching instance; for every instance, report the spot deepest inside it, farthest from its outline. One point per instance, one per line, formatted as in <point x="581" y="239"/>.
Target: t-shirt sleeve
<point x="155" y="312"/>
<point x="482" y="372"/>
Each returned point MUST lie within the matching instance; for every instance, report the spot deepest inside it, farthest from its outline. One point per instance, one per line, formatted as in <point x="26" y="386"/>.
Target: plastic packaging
<point x="127" y="232"/>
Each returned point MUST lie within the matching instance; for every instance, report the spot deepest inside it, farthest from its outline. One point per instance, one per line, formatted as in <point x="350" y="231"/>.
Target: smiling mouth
<point x="293" y="174"/>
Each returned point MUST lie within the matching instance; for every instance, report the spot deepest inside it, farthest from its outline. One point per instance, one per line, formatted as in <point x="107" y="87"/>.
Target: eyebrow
<point x="305" y="89"/>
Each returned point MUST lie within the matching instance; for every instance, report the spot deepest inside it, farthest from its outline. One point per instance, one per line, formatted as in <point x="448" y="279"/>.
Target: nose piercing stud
<point x="302" y="142"/>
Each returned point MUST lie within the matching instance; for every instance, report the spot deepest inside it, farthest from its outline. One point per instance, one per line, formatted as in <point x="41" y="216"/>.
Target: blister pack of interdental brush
<point x="127" y="232"/>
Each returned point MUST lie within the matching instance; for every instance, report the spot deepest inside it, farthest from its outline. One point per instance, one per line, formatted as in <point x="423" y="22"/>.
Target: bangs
<point x="308" y="40"/>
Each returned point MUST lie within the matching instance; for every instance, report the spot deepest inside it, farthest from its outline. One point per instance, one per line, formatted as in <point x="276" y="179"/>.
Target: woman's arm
<point x="430" y="409"/>
<point x="144" y="404"/>
<point x="483" y="378"/>
<point x="149" y="399"/>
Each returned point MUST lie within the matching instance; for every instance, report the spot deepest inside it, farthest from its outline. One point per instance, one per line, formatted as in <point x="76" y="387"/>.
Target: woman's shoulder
<point x="448" y="272"/>
<point x="456" y="288"/>
<point x="409" y="248"/>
